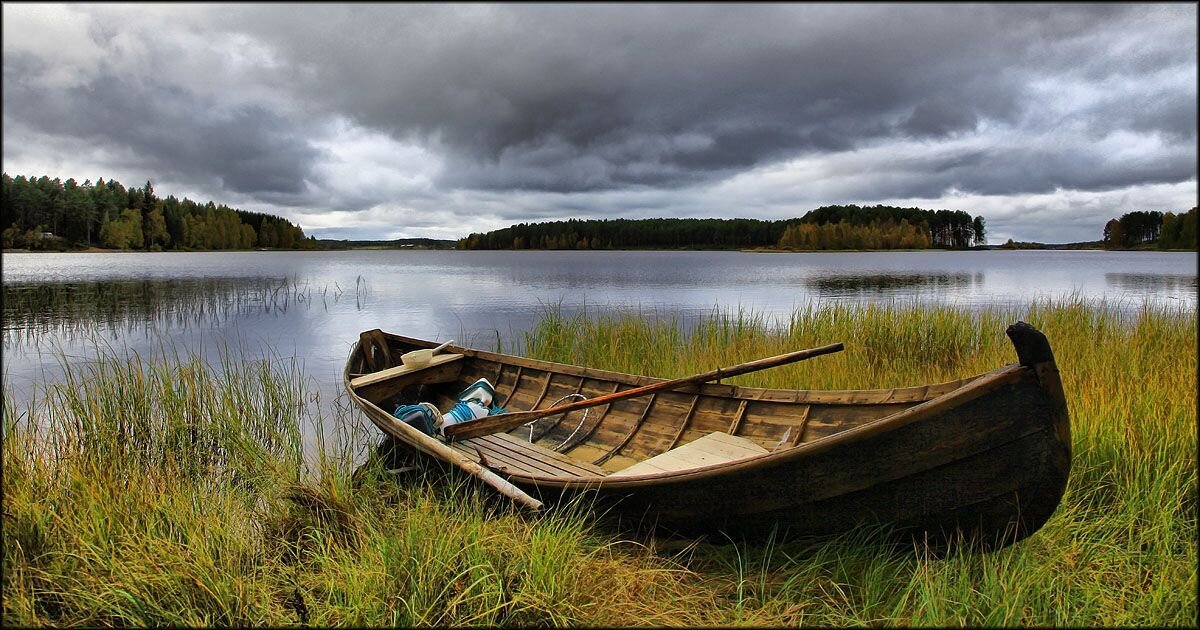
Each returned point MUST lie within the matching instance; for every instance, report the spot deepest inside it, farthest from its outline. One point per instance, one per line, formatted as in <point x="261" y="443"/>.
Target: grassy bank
<point x="175" y="493"/>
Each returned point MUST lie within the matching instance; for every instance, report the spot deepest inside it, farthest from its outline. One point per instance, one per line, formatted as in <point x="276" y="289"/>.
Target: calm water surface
<point x="314" y="304"/>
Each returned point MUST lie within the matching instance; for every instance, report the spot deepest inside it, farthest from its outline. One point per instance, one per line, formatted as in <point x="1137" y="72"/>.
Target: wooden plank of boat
<point x="517" y="455"/>
<point x="442" y="368"/>
<point x="400" y="370"/>
<point x="715" y="448"/>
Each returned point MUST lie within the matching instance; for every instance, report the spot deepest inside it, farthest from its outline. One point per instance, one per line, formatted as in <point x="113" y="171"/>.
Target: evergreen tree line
<point x="845" y="235"/>
<point x="1166" y="229"/>
<point x="630" y="233"/>
<point x="951" y="229"/>
<point x="46" y="213"/>
<point x="861" y="228"/>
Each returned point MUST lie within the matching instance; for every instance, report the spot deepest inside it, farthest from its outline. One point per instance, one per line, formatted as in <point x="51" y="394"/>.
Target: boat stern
<point x="1034" y="352"/>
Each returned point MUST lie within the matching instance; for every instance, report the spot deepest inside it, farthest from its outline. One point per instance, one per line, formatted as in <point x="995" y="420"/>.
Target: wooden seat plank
<point x="401" y="370"/>
<point x="715" y="448"/>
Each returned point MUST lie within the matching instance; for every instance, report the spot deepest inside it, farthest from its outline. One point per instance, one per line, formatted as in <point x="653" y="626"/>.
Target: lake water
<point x="313" y="305"/>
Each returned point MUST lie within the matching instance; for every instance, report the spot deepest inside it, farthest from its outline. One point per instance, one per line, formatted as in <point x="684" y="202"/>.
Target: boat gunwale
<point x="832" y="397"/>
<point x="968" y="389"/>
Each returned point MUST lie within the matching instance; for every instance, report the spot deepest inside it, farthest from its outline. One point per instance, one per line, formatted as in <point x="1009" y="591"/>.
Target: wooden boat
<point x="987" y="455"/>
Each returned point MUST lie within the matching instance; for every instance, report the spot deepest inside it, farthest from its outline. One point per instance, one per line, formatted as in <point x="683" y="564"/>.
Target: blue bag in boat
<point x="421" y="416"/>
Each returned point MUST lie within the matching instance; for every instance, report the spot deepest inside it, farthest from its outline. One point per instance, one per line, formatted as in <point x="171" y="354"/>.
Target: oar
<point x="507" y="421"/>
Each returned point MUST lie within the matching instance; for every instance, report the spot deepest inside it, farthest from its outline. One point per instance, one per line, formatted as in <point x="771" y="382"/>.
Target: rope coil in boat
<point x="555" y="404"/>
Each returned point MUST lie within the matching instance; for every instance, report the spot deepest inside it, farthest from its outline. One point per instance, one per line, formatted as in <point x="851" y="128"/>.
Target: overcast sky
<point x="397" y="120"/>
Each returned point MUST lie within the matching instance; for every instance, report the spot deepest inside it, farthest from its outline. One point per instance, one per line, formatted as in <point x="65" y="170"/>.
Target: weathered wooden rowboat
<point x="987" y="455"/>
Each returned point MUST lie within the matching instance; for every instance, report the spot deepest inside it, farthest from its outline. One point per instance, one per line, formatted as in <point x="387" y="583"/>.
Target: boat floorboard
<point x="504" y="451"/>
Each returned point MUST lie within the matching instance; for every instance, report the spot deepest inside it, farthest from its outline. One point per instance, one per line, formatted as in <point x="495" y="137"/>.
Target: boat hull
<point x="992" y="468"/>
<point x="989" y="458"/>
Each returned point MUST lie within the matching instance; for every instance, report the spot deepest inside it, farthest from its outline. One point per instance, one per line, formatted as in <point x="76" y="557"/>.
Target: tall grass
<point x="1121" y="549"/>
<point x="31" y="310"/>
<point x="176" y="491"/>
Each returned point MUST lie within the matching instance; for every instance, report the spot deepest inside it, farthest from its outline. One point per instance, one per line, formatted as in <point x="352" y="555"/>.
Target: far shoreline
<point x="755" y="250"/>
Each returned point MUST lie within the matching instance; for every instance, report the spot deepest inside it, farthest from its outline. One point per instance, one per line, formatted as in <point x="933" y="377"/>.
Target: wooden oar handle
<point x="507" y="421"/>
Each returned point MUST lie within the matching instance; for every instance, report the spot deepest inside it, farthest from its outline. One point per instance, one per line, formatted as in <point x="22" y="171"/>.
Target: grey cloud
<point x="1043" y="169"/>
<point x="999" y="171"/>
<point x="168" y="131"/>
<point x="552" y="97"/>
<point x="939" y="117"/>
<point x="1162" y="110"/>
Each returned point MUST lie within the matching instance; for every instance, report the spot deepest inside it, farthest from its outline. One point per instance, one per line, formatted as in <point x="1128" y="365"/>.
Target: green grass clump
<point x="178" y="491"/>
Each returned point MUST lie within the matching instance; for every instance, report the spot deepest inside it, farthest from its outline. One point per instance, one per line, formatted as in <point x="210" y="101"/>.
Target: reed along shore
<point x="179" y="491"/>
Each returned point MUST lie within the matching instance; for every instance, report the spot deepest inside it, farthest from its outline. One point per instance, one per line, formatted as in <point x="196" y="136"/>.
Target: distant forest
<point x="829" y="227"/>
<point x="1166" y="230"/>
<point x="44" y="213"/>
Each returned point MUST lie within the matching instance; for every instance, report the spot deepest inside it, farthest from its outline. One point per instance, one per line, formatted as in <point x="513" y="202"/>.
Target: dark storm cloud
<point x="939" y="117"/>
<point x="598" y="96"/>
<point x="167" y="130"/>
<point x="559" y="98"/>
<point x="1162" y="111"/>
<point x="1040" y="171"/>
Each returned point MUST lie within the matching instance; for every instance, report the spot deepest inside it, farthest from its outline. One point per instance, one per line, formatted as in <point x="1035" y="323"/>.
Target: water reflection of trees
<point x="847" y="284"/>
<point x="33" y="309"/>
<point x="1159" y="283"/>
